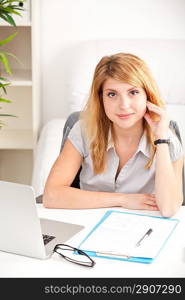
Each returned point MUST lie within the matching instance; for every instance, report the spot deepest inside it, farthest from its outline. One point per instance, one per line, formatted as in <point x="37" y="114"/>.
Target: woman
<point x="129" y="156"/>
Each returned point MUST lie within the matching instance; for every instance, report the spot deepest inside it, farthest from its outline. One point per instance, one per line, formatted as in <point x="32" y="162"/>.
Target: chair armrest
<point x="46" y="152"/>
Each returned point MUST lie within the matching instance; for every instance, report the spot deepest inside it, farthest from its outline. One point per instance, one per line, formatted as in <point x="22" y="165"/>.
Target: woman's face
<point x="124" y="104"/>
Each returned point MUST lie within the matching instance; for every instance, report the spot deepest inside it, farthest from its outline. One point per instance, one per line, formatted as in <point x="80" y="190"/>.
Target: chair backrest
<point x="74" y="117"/>
<point x="71" y="120"/>
<point x="175" y="128"/>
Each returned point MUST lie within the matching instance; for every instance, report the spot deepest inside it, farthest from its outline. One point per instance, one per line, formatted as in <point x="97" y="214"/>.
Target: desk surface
<point x="169" y="263"/>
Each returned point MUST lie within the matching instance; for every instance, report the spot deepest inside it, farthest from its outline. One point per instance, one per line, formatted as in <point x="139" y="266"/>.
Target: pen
<point x="144" y="236"/>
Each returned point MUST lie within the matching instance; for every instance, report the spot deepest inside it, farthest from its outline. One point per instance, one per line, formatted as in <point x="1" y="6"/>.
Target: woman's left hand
<point x="161" y="126"/>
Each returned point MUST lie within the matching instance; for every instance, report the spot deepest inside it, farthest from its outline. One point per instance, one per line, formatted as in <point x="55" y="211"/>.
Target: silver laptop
<point x="21" y="230"/>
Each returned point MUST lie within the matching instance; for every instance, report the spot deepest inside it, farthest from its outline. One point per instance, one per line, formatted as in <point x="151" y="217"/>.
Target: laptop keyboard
<point x="47" y="238"/>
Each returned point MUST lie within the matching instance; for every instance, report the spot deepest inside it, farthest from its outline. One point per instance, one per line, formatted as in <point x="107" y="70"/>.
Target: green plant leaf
<point x="2" y="2"/>
<point x="10" y="1"/>
<point x="12" y="55"/>
<point x="15" y="7"/>
<point x="11" y="21"/>
<point x="2" y="86"/>
<point x="9" y="10"/>
<point x="5" y="100"/>
<point x="7" y="115"/>
<point x="4" y="90"/>
<point x="5" y="62"/>
<point x="8" y="39"/>
<point x="3" y="79"/>
<point x="8" y="19"/>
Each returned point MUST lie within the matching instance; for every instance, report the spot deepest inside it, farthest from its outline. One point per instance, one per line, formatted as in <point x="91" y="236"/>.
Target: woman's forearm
<point x="74" y="198"/>
<point x="67" y="197"/>
<point x="167" y="190"/>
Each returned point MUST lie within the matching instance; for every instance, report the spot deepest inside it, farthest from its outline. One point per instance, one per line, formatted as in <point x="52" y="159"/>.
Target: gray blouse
<point x="132" y="178"/>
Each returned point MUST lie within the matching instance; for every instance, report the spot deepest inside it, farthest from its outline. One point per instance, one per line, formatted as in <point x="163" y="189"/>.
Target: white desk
<point x="170" y="262"/>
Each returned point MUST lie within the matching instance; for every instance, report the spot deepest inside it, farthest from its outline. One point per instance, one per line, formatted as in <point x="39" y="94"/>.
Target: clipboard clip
<point x="113" y="254"/>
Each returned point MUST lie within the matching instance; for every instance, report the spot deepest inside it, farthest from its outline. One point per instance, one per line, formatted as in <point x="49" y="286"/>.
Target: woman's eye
<point x="111" y="94"/>
<point x="134" y="92"/>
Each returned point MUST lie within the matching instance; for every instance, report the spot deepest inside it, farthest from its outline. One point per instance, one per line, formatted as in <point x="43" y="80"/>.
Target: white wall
<point x="65" y="22"/>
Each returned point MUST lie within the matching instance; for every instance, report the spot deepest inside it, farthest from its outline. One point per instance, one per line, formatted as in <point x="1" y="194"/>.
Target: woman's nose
<point x="124" y="102"/>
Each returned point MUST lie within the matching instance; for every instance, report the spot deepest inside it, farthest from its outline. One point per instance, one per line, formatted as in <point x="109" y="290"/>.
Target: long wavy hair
<point x="127" y="68"/>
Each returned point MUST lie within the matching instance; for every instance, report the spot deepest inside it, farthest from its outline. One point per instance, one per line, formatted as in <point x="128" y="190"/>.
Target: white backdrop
<point x="66" y="22"/>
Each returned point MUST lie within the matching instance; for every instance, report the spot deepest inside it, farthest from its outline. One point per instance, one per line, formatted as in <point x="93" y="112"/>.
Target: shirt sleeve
<point x="176" y="148"/>
<point x="77" y="139"/>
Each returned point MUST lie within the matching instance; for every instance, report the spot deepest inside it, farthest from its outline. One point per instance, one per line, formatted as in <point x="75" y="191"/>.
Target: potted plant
<point x="8" y="8"/>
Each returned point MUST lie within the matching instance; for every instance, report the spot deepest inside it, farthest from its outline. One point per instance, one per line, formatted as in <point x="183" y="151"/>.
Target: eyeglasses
<point x="68" y="252"/>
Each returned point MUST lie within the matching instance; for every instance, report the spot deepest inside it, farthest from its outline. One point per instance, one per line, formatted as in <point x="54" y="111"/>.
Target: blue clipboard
<point x="126" y="258"/>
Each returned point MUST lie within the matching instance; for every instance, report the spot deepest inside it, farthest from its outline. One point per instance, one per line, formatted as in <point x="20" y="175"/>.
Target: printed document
<point x="119" y="234"/>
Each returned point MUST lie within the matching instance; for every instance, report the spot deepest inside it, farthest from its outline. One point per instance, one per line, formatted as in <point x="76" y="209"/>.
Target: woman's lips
<point x="125" y="116"/>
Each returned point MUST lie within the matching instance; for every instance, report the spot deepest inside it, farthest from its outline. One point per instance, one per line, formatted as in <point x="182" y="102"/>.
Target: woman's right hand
<point x="139" y="201"/>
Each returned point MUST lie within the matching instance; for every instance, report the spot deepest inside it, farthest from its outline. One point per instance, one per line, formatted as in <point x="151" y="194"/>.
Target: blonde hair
<point x="127" y="68"/>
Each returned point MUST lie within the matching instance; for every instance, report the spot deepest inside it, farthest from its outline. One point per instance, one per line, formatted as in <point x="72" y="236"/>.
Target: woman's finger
<point x="155" y="109"/>
<point x="150" y="196"/>
<point x="150" y="207"/>
<point x="148" y="119"/>
<point x="151" y="202"/>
